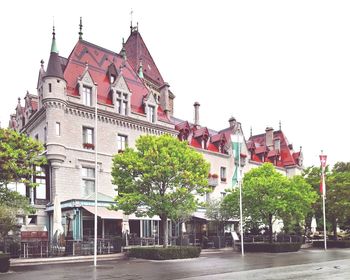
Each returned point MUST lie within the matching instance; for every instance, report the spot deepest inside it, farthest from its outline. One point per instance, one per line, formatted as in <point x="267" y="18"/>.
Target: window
<point x="40" y="189"/>
<point x="50" y="87"/>
<point x="223" y="174"/>
<point x="151" y="114"/>
<point x="122" y="103"/>
<point x="87" y="96"/>
<point x="112" y="79"/>
<point x="88" y="138"/>
<point x="45" y="134"/>
<point x="88" y="180"/>
<point x="58" y="129"/>
<point x="121" y="142"/>
<point x="36" y="137"/>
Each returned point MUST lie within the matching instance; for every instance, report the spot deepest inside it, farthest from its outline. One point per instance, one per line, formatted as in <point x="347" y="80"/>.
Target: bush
<point x="157" y="253"/>
<point x="332" y="244"/>
<point x="4" y="262"/>
<point x="276" y="247"/>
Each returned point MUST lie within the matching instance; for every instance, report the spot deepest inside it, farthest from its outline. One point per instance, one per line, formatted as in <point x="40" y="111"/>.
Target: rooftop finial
<point x="54" y="48"/>
<point x="131" y="12"/>
<point x="123" y="52"/>
<point x="53" y="29"/>
<point x="251" y="131"/>
<point x="42" y="63"/>
<point x="280" y="125"/>
<point x="81" y="29"/>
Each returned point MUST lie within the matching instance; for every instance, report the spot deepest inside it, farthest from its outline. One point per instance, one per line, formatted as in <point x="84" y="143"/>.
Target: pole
<point x="239" y="177"/>
<point x="96" y="182"/>
<point x="324" y="209"/>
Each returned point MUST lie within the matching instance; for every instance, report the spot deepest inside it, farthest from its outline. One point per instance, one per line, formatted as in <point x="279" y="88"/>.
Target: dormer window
<point x="122" y="103"/>
<point x="112" y="78"/>
<point x="151" y="114"/>
<point x="87" y="96"/>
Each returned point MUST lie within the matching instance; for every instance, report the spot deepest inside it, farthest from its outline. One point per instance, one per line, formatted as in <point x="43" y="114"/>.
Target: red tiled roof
<point x="99" y="59"/>
<point x="272" y="153"/>
<point x="286" y="153"/>
<point x="136" y="50"/>
<point x="200" y="132"/>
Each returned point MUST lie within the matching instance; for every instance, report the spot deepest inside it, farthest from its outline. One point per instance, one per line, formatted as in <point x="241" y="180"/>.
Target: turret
<point x="53" y="89"/>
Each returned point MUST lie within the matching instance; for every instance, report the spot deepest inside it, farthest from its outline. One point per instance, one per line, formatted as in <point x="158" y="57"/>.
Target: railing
<point x="40" y="249"/>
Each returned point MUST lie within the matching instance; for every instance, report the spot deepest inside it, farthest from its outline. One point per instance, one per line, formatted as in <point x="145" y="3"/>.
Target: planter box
<point x="4" y="262"/>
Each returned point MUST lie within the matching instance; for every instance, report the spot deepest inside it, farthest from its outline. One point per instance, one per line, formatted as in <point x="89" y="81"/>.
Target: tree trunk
<point x="165" y="231"/>
<point x="270" y="227"/>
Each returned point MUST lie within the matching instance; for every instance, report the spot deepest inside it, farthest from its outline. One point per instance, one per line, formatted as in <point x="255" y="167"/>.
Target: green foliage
<point x="269" y="195"/>
<point x="156" y="253"/>
<point x="337" y="195"/>
<point x="272" y="247"/>
<point x="18" y="154"/>
<point x="160" y="177"/>
<point x="7" y="220"/>
<point x="4" y="262"/>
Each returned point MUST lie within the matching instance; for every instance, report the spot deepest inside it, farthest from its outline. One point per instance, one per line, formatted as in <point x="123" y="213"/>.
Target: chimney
<point x="164" y="99"/>
<point x="196" y="113"/>
<point x="232" y="121"/>
<point x="269" y="136"/>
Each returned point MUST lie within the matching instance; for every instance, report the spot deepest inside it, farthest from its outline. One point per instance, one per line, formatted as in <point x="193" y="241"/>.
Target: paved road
<point x="305" y="264"/>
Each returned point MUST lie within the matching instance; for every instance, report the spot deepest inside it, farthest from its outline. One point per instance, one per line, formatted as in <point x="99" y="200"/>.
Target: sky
<point x="263" y="62"/>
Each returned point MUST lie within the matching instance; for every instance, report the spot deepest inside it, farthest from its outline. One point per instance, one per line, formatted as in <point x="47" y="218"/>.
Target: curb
<point x="59" y="260"/>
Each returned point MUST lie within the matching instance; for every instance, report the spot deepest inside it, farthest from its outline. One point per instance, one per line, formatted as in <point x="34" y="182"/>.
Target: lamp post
<point x="96" y="184"/>
<point x="323" y="159"/>
<point x="237" y="139"/>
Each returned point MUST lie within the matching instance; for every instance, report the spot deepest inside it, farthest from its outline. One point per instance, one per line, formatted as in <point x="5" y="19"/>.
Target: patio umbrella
<point x="57" y="217"/>
<point x="183" y="227"/>
<point x="313" y="225"/>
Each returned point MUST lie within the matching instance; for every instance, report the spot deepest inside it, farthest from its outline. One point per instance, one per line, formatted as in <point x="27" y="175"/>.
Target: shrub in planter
<point x="159" y="253"/>
<point x="4" y="262"/>
<point x="332" y="243"/>
<point x="276" y="247"/>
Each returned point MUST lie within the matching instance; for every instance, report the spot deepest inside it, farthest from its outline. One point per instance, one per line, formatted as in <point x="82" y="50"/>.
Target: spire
<point x="123" y="51"/>
<point x="81" y="29"/>
<point x="141" y="70"/>
<point x="54" y="68"/>
<point x="54" y="48"/>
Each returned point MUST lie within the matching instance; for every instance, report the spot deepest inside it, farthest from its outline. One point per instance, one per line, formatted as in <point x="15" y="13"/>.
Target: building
<point x="132" y="99"/>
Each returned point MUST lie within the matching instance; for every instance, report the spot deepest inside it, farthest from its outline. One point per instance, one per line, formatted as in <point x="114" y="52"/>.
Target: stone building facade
<point x="132" y="100"/>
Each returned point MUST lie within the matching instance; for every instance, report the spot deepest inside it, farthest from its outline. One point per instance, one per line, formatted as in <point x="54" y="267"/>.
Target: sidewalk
<point x="74" y="259"/>
<point x="67" y="259"/>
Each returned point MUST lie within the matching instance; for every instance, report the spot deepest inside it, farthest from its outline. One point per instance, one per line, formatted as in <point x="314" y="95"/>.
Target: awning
<point x="134" y="217"/>
<point x="105" y="213"/>
<point x="200" y="215"/>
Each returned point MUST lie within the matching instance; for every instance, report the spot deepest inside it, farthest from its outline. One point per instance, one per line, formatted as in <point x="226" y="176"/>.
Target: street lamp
<point x="237" y="141"/>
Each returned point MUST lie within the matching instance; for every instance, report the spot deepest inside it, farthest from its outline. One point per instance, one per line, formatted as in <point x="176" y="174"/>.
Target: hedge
<point x="276" y="247"/>
<point x="158" y="253"/>
<point x="332" y="244"/>
<point x="4" y="262"/>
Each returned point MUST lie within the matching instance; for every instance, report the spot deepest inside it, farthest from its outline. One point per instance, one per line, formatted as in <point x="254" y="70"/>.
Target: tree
<point x="269" y="195"/>
<point x="160" y="177"/>
<point x="218" y="214"/>
<point x="337" y="194"/>
<point x="18" y="155"/>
